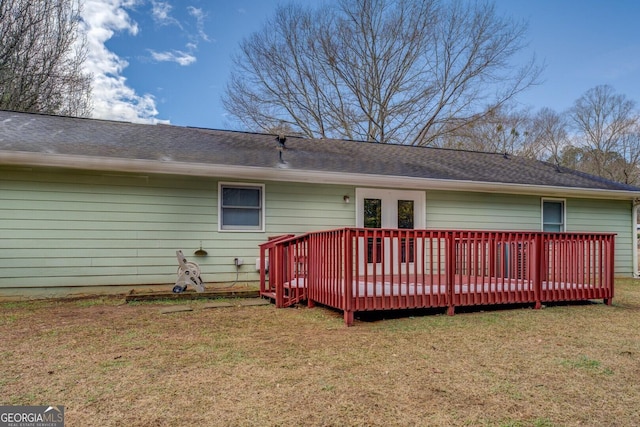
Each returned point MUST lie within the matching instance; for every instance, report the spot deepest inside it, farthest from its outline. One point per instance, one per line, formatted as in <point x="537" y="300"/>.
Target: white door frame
<point x="389" y="214"/>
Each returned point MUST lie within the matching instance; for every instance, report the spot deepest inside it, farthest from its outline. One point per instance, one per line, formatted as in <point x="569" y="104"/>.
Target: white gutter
<point x="296" y="175"/>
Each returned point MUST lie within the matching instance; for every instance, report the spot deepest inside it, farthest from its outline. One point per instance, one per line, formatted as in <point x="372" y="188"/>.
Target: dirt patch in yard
<point x="111" y="363"/>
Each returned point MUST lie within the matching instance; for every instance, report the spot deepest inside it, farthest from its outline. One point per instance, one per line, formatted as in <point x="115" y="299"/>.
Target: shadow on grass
<point x="376" y="316"/>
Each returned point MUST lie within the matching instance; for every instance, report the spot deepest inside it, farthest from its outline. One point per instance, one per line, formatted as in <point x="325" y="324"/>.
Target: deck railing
<point x="362" y="269"/>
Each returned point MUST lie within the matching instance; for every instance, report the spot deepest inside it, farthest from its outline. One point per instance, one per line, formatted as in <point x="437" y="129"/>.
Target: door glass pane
<point x="405" y="221"/>
<point x="405" y="214"/>
<point x="373" y="219"/>
<point x="373" y="213"/>
<point x="374" y="250"/>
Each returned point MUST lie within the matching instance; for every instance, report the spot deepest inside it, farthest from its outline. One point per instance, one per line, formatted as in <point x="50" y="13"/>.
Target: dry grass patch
<point x="112" y="363"/>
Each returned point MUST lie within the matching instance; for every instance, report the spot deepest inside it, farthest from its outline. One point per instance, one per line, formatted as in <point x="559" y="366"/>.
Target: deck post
<point x="277" y="274"/>
<point x="538" y="272"/>
<point x="450" y="267"/>
<point x="611" y="245"/>
<point x="263" y="275"/>
<point x="310" y="273"/>
<point x="348" y="318"/>
<point x="347" y="254"/>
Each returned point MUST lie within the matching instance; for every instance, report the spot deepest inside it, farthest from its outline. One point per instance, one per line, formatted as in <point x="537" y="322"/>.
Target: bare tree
<point x="378" y="70"/>
<point x="628" y="170"/>
<point x="549" y="135"/>
<point x="608" y="134"/>
<point x="501" y="130"/>
<point x="41" y="56"/>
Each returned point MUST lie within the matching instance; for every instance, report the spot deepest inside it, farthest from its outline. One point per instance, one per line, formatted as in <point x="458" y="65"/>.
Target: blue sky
<point x="169" y="61"/>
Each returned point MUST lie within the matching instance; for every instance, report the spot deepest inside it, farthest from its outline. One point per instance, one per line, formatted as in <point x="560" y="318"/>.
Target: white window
<point x="241" y="207"/>
<point x="553" y="215"/>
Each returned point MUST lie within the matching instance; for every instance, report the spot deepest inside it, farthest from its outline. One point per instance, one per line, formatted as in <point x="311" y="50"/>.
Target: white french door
<point x="384" y="208"/>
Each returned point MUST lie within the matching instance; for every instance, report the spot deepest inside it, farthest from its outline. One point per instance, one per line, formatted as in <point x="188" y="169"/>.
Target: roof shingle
<point x="36" y="133"/>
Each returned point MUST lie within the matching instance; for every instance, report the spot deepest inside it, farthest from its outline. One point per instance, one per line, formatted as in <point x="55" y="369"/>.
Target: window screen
<point x="552" y="215"/>
<point x="241" y="207"/>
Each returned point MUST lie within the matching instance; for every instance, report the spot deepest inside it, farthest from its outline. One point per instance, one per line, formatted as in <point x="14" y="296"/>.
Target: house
<point x="94" y="206"/>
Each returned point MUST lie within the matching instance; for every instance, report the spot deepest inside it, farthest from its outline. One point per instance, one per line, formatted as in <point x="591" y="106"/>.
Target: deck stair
<point x="286" y="285"/>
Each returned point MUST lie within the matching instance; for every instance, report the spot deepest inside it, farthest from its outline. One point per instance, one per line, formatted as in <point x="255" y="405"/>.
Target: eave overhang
<point x="284" y="173"/>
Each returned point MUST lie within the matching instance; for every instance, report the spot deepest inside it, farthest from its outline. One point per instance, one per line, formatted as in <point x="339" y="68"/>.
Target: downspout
<point x="636" y="205"/>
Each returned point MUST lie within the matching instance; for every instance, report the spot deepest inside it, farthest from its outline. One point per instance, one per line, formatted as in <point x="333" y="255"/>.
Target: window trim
<point x="564" y="212"/>
<point x="248" y="185"/>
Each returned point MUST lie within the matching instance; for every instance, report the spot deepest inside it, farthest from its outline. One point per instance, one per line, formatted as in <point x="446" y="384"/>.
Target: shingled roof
<point x="36" y="139"/>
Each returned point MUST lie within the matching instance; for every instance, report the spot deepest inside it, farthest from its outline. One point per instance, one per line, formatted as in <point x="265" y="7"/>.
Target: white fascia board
<point x="286" y="174"/>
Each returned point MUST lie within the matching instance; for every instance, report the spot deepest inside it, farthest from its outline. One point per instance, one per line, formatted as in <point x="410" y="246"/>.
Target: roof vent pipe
<point x="281" y="147"/>
<point x="558" y="167"/>
<point x="281" y="140"/>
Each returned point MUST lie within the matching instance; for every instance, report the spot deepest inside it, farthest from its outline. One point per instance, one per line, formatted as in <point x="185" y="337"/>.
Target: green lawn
<point x="111" y="363"/>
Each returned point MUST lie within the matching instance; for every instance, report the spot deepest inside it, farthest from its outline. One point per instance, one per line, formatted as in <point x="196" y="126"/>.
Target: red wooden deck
<point x="354" y="269"/>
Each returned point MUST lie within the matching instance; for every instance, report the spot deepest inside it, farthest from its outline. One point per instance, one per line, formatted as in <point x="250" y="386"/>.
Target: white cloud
<point x="200" y="16"/>
<point x="178" y="56"/>
<point x="161" y="12"/>
<point x="112" y="98"/>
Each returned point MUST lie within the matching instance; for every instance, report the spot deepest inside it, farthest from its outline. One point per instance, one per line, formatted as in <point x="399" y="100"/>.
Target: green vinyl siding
<point x="482" y="211"/>
<point x="72" y="229"/>
<point x="299" y="208"/>
<point x="606" y="216"/>
<point x="65" y="232"/>
<point x="76" y="231"/>
<point x="487" y="211"/>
